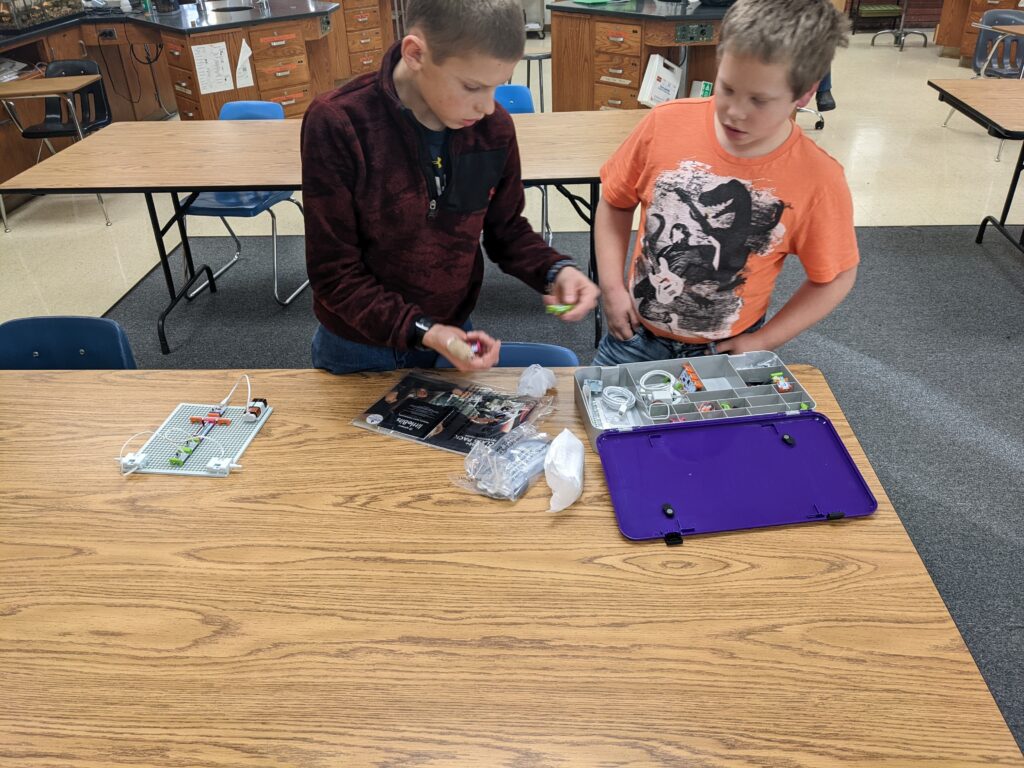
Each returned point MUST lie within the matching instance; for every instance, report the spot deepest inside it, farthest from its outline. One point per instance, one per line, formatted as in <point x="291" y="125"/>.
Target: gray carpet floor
<point x="926" y="357"/>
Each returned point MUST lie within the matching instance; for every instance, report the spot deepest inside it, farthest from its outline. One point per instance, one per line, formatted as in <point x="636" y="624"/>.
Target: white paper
<point x="213" y="69"/>
<point x="243" y="72"/>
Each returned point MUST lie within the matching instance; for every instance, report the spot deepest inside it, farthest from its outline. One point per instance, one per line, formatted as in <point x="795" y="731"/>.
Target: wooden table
<point x="340" y="602"/>
<point x="1010" y="29"/>
<point x="193" y="157"/>
<point x="997" y="105"/>
<point x="37" y="88"/>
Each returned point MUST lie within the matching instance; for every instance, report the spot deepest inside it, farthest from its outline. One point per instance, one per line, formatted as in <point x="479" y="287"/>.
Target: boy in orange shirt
<point x="729" y="186"/>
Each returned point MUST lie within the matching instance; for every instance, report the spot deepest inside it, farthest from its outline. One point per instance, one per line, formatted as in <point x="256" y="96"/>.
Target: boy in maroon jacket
<point x="401" y="172"/>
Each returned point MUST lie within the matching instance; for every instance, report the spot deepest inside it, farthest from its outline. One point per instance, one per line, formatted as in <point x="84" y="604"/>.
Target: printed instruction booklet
<point x="449" y="414"/>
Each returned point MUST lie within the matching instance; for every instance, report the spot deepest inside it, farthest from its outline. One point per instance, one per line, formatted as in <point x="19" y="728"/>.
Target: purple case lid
<point x="727" y="474"/>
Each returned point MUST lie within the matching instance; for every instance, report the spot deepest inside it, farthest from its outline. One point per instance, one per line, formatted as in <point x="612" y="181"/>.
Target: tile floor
<point x="904" y="169"/>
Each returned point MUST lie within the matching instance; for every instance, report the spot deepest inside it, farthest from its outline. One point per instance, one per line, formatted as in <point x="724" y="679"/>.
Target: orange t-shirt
<point x="715" y="229"/>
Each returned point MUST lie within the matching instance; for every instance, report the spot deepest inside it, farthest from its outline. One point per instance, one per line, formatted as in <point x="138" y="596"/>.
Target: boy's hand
<point x="487" y="349"/>
<point x="621" y="314"/>
<point x="737" y="345"/>
<point x="573" y="287"/>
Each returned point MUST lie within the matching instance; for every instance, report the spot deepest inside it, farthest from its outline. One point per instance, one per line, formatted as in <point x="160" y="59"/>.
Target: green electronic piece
<point x="558" y="309"/>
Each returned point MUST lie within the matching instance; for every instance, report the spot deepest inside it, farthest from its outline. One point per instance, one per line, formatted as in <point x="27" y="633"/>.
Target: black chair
<point x="90" y="106"/>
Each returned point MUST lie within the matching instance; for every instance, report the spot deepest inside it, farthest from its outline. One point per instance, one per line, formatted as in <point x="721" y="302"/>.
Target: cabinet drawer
<point x="184" y="83"/>
<point x="614" y="69"/>
<point x="178" y="52"/>
<point x="368" y="61"/>
<point x="362" y="18"/>
<point x="187" y="109"/>
<point x="617" y="38"/>
<point x="294" y="100"/>
<point x="365" y="40"/>
<point x="362" y="3"/>
<point x="279" y="74"/>
<point x="277" y="41"/>
<point x="613" y="97"/>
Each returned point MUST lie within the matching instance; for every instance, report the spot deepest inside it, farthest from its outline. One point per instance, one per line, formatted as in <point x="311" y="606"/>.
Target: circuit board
<point x="175" y="448"/>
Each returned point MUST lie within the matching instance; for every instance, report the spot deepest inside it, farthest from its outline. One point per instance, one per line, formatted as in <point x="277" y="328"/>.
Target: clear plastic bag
<point x="536" y="381"/>
<point x="505" y="468"/>
<point x="563" y="470"/>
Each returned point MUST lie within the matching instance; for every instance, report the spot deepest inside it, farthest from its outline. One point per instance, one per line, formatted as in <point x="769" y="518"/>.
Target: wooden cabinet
<point x="66" y="44"/>
<point x="359" y="36"/>
<point x="956" y="28"/>
<point x="975" y="11"/>
<point x="598" y="61"/>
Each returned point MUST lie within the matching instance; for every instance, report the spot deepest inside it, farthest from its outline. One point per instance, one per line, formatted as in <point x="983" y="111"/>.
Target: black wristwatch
<point x="419" y="329"/>
<point x="558" y="266"/>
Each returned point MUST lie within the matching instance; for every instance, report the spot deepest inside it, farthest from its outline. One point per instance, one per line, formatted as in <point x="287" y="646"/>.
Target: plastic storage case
<point x="16" y="15"/>
<point x="734" y="386"/>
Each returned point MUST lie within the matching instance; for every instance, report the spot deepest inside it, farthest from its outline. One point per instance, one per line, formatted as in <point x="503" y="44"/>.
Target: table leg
<point x="586" y="210"/>
<point x="1000" y="223"/>
<point x="158" y="233"/>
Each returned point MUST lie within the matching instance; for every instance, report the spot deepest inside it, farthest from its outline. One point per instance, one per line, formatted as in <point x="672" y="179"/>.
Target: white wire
<point x="618" y="398"/>
<point x="651" y="391"/>
<point x="248" y="386"/>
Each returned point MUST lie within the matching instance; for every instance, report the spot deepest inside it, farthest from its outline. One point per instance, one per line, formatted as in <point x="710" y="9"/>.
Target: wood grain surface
<point x="264" y="154"/>
<point x="47" y="86"/>
<point x="339" y="602"/>
<point x="999" y="100"/>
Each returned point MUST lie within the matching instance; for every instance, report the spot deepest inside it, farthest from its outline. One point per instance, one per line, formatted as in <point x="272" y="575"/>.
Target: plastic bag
<point x="563" y="469"/>
<point x="505" y="468"/>
<point x="535" y="381"/>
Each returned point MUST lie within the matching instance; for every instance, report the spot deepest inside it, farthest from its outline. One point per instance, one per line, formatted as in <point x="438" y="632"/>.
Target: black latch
<point x="835" y="515"/>
<point x="673" y="538"/>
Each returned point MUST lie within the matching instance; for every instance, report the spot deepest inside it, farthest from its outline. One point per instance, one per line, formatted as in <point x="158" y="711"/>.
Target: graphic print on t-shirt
<point x="700" y="230"/>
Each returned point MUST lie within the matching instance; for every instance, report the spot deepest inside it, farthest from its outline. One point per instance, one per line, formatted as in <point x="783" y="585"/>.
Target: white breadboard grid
<point x="228" y="441"/>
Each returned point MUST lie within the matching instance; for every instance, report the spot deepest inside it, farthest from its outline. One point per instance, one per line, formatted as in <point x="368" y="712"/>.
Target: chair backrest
<point x="1008" y="61"/>
<point x="92" y="107"/>
<point x="64" y="343"/>
<point x="517" y="99"/>
<point x="251" y="110"/>
<point x="522" y="354"/>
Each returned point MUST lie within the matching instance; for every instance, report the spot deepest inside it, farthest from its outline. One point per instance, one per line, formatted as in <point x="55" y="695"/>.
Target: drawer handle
<point x="367" y="61"/>
<point x="181" y="84"/>
<point x="189" y="114"/>
<point x="621" y="39"/>
<point x="615" y="71"/>
<point x="283" y="74"/>
<point x="362" y="19"/>
<point x="278" y="43"/>
<point x="175" y="53"/>
<point x="615" y="102"/>
<point x="287" y="102"/>
<point x="85" y="51"/>
<point x="365" y="41"/>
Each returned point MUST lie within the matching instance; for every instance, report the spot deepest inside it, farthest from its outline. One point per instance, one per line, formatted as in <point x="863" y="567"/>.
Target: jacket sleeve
<point x="509" y="240"/>
<point x="342" y="284"/>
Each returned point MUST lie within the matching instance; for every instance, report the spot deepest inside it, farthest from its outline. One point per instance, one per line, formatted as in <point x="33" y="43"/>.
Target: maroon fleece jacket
<point x="381" y="247"/>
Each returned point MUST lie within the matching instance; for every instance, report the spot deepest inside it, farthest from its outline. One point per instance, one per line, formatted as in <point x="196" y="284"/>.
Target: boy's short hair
<point x="803" y="34"/>
<point x="457" y="27"/>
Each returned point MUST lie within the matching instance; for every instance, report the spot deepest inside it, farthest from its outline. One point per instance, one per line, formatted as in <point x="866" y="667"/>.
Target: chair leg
<point x="103" y="208"/>
<point x="3" y="214"/>
<point x="227" y="266"/>
<point x="273" y="230"/>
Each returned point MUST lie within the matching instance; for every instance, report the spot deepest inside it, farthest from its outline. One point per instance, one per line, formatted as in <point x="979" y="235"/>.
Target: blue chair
<point x="518" y="100"/>
<point x="64" y="343"/>
<point x="522" y="354"/>
<point x="246" y="204"/>
<point x="996" y="54"/>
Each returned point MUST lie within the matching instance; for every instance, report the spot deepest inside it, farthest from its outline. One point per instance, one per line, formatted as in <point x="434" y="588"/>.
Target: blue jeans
<point x="645" y="346"/>
<point x="338" y="355"/>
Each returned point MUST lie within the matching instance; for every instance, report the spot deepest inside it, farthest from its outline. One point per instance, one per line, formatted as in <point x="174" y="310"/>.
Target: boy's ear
<point x="414" y="49"/>
<point x="804" y="100"/>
